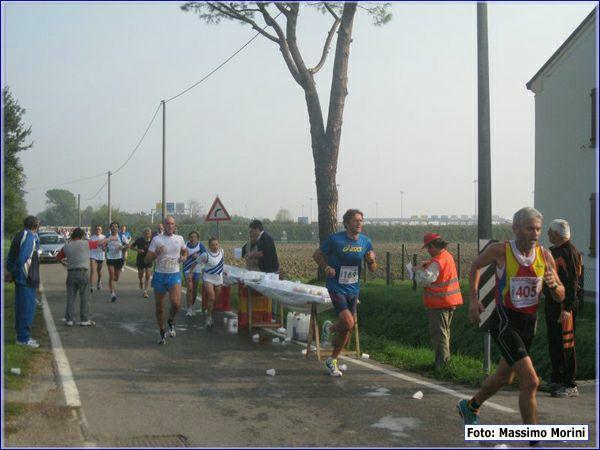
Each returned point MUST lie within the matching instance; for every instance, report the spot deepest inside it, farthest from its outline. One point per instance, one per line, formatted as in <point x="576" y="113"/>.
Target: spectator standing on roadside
<point x="441" y="294"/>
<point x="265" y="255"/>
<point x="24" y="269"/>
<point x="77" y="253"/>
<point x="560" y="317"/>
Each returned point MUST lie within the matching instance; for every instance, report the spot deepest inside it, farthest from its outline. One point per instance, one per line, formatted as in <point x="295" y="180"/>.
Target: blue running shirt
<point x="346" y="257"/>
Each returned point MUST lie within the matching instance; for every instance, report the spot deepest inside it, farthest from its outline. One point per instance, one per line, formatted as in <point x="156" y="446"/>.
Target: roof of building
<point x="591" y="17"/>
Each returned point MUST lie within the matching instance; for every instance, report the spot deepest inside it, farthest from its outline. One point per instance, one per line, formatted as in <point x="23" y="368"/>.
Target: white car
<point x="51" y="243"/>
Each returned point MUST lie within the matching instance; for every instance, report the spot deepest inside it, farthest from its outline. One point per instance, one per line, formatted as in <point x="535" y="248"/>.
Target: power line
<point x="67" y="182"/>
<point x="220" y="65"/>
<point x="98" y="192"/>
<point x="139" y="142"/>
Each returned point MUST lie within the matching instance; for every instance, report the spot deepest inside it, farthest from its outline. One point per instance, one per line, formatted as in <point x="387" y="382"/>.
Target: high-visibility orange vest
<point x="444" y="292"/>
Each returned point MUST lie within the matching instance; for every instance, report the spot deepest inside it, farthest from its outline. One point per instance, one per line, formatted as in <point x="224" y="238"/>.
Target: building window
<point x="593" y="134"/>
<point x="593" y="225"/>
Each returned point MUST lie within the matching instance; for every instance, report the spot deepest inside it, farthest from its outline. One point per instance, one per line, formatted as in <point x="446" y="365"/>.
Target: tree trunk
<point x="326" y="144"/>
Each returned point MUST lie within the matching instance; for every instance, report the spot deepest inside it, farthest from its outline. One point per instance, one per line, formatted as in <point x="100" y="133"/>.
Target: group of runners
<point x="168" y="254"/>
<point x="523" y="268"/>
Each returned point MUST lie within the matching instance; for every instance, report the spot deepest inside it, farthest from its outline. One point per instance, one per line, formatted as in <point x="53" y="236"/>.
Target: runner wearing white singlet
<point x="96" y="259"/>
<point x="191" y="273"/>
<point x="169" y="250"/>
<point x="114" y="259"/>
<point x="213" y="260"/>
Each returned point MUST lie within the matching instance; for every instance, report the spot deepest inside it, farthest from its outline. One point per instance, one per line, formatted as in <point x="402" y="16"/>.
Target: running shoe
<point x="325" y="331"/>
<point x="171" y="327"/>
<point x="163" y="338"/>
<point x="31" y="343"/>
<point x="99" y="285"/>
<point x="92" y="290"/>
<point x="69" y="323"/>
<point x="122" y="269"/>
<point x="332" y="366"/>
<point x="113" y="297"/>
<point x="469" y="416"/>
<point x="209" y="322"/>
<point x="563" y="392"/>
<point x="87" y="323"/>
<point x="145" y="294"/>
<point x="189" y="313"/>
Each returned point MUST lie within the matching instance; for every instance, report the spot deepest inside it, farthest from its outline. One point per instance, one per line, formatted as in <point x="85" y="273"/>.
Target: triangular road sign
<point x="217" y="212"/>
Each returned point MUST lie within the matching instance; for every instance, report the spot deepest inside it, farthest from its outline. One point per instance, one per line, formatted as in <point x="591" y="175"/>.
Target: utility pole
<point x="109" y="212"/>
<point x="311" y="200"/>
<point x="401" y="204"/>
<point x="164" y="161"/>
<point x="79" y="210"/>
<point x="484" y="172"/>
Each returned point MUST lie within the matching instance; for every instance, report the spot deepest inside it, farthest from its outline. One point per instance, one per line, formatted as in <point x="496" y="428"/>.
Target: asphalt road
<point x="209" y="387"/>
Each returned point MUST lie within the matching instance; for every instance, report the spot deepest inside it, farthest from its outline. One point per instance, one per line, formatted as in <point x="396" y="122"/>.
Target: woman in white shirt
<point x="96" y="259"/>
<point x="213" y="260"/>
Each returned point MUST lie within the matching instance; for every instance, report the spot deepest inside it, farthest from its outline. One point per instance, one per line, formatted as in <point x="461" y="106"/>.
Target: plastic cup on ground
<point x="418" y="395"/>
<point x="271" y="372"/>
<point x="365" y="356"/>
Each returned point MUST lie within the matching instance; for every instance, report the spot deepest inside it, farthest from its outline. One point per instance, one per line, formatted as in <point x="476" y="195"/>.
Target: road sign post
<point x="217" y="213"/>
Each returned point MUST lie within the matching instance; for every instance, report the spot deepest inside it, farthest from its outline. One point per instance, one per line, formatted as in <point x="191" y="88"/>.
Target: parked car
<point x="51" y="244"/>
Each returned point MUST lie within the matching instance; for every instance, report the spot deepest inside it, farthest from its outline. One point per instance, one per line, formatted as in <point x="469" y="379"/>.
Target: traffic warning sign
<point x="217" y="212"/>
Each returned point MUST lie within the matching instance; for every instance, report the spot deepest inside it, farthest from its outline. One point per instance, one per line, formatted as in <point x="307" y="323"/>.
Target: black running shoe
<point x="163" y="338"/>
<point x="171" y="328"/>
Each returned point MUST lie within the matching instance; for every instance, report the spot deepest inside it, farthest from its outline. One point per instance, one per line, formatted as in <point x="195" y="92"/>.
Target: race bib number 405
<point x="348" y="275"/>
<point x="525" y="291"/>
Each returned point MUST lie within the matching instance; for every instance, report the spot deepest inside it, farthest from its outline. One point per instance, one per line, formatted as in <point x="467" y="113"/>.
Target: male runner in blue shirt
<point x="341" y="257"/>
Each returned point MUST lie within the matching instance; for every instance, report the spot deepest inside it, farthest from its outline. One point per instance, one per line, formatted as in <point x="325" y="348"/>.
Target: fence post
<point x="458" y="257"/>
<point x="414" y="263"/>
<point x="388" y="278"/>
<point x="402" y="265"/>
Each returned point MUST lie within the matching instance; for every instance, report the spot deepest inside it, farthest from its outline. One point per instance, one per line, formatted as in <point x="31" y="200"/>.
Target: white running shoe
<point x="87" y="323"/>
<point x="31" y="343"/>
<point x="332" y="366"/>
<point x="189" y="313"/>
<point x="209" y="322"/>
<point x="69" y="323"/>
<point x="171" y="328"/>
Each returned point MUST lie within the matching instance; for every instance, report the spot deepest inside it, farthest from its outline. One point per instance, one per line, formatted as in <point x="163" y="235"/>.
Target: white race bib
<point x="348" y="275"/>
<point x="168" y="265"/>
<point x="524" y="291"/>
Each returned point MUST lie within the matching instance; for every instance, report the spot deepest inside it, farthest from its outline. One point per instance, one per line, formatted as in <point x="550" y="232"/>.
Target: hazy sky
<point x="91" y="75"/>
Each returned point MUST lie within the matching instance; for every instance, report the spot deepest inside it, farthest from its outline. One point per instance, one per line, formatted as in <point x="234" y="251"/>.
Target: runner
<point x="169" y="250"/>
<point x="213" y="260"/>
<point x="126" y="239"/>
<point x="114" y="260"/>
<point x="522" y="266"/>
<point x="341" y="257"/>
<point x="96" y="259"/>
<point x="141" y="245"/>
<point x="192" y="271"/>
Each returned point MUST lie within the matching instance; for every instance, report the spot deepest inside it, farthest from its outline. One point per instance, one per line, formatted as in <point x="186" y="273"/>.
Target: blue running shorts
<point x="162" y="282"/>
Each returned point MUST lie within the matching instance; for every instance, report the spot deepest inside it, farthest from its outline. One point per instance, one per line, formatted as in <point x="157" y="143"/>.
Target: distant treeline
<point x="238" y="231"/>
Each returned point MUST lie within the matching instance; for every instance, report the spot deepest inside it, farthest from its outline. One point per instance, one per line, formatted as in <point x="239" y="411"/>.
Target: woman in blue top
<point x="341" y="257"/>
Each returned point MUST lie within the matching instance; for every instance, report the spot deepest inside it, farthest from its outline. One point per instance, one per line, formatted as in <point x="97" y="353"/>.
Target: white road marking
<point x="62" y="362"/>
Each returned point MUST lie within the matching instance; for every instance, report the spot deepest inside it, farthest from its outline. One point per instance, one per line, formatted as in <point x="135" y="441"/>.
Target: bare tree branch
<point x="326" y="47"/>
<point x="282" y="8"/>
<point x="230" y="11"/>
<point x="283" y="44"/>
<point x="331" y="11"/>
<point x="293" y="43"/>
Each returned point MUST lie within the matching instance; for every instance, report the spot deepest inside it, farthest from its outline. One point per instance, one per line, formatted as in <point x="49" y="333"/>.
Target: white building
<point x="565" y="140"/>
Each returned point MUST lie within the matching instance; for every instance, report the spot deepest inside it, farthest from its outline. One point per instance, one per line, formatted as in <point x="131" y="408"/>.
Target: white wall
<point x="565" y="165"/>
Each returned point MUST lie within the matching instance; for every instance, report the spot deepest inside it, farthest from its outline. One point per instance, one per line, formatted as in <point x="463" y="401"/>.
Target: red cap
<point x="430" y="237"/>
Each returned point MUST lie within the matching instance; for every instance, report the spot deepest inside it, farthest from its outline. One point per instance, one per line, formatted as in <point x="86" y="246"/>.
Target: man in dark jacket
<point x="560" y="317"/>
<point x="265" y="252"/>
<point x="24" y="269"/>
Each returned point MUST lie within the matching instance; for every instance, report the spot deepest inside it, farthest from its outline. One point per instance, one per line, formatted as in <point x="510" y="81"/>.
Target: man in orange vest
<point x="441" y="295"/>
